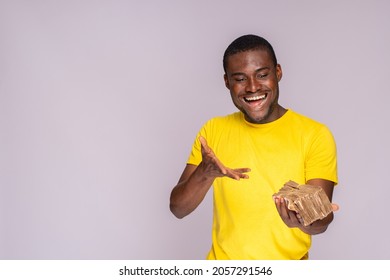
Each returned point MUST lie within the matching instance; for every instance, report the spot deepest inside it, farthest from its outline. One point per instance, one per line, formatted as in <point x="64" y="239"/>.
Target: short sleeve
<point x="195" y="156"/>
<point x="321" y="160"/>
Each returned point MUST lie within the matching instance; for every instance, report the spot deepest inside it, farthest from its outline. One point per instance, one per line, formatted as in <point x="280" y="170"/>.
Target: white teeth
<point x="254" y="98"/>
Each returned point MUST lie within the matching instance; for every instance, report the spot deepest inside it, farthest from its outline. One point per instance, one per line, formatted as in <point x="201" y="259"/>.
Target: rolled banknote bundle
<point x="311" y="202"/>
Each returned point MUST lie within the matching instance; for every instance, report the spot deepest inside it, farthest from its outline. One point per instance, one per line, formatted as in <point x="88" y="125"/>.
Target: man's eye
<point x="262" y="76"/>
<point x="240" y="79"/>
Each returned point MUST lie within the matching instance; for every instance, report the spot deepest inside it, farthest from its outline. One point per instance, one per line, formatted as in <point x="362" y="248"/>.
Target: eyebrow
<point x="256" y="71"/>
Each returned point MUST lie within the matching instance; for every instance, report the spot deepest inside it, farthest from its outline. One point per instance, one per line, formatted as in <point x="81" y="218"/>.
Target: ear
<point x="226" y="81"/>
<point x="279" y="72"/>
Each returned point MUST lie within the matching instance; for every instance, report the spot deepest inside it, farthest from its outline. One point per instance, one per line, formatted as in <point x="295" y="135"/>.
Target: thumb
<point x="203" y="142"/>
<point x="335" y="207"/>
<point x="204" y="146"/>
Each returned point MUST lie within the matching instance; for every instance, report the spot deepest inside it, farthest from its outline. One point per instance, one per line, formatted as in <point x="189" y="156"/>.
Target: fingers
<point x="277" y="204"/>
<point x="209" y="156"/>
<point x="219" y="164"/>
<point x="284" y="210"/>
<point x="290" y="218"/>
<point x="242" y="172"/>
<point x="237" y="174"/>
<point x="203" y="143"/>
<point x="234" y="175"/>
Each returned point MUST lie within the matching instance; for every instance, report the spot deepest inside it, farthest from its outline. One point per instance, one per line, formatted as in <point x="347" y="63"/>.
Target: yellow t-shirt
<point x="246" y="224"/>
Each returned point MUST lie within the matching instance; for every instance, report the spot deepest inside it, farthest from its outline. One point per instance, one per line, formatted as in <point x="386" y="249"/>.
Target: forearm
<point x="189" y="193"/>
<point x="319" y="226"/>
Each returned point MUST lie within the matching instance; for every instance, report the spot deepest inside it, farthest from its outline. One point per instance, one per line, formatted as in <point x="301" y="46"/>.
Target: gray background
<point x="100" y="102"/>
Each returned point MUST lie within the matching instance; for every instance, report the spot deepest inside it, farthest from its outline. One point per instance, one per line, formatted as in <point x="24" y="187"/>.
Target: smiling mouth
<point x="250" y="99"/>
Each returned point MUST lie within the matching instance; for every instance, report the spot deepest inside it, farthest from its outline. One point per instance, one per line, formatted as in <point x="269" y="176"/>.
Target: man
<point x="247" y="156"/>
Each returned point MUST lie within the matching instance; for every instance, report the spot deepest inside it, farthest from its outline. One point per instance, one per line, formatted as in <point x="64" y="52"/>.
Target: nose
<point x="252" y="85"/>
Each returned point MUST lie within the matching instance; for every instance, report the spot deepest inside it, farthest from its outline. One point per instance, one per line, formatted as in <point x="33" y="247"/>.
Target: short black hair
<point x="247" y="43"/>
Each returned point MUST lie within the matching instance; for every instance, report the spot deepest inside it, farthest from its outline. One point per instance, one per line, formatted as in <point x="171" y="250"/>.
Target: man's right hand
<point x="213" y="167"/>
<point x="195" y="181"/>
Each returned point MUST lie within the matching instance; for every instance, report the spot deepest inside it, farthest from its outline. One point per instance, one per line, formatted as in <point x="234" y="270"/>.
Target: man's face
<point x="252" y="79"/>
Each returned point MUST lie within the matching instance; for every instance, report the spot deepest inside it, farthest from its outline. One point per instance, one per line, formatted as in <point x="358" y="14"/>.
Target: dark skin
<point x="252" y="79"/>
<point x="195" y="181"/>
<point x="293" y="219"/>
